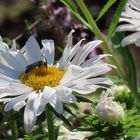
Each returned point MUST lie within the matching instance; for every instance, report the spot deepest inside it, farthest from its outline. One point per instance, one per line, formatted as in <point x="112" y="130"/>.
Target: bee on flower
<point x="49" y="83"/>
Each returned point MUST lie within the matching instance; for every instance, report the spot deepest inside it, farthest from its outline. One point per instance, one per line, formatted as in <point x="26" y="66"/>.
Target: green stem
<point x="13" y="126"/>
<point x="134" y="91"/>
<point x="94" y="28"/>
<point x="51" y="129"/>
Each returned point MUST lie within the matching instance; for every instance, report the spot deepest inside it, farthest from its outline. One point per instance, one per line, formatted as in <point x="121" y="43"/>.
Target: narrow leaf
<point x="72" y="8"/>
<point x="64" y="119"/>
<point x="105" y="8"/>
<point x="115" y="20"/>
<point x="69" y="111"/>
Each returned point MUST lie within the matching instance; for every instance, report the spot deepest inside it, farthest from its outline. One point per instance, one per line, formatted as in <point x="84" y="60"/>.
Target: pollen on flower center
<point x="40" y="77"/>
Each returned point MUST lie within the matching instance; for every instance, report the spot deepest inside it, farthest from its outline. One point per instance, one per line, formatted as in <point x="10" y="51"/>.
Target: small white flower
<point x="109" y="110"/>
<point x="34" y="87"/>
<point x="131" y="17"/>
<point x="119" y="89"/>
<point x="65" y="134"/>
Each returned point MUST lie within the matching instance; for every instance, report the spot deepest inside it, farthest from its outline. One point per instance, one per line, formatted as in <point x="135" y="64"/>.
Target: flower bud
<point x="119" y="90"/>
<point x="109" y="110"/>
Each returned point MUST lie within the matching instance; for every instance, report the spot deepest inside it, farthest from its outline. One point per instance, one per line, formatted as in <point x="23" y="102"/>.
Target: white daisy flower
<point x="131" y="17"/>
<point x="28" y="81"/>
<point x="109" y="110"/>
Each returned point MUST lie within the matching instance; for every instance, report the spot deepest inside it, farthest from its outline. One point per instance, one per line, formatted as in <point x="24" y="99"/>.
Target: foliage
<point x="127" y="129"/>
<point x="105" y="8"/>
<point x="37" y="134"/>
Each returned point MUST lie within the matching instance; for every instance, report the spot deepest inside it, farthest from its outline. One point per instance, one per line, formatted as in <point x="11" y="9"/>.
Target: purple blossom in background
<point x="60" y="19"/>
<point x="88" y="109"/>
<point x="35" y="1"/>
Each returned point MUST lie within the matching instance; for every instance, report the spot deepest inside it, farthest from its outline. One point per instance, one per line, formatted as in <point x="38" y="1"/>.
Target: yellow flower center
<point x="40" y="77"/>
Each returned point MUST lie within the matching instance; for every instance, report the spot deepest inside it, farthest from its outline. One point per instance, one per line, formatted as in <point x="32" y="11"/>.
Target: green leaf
<point x="132" y="67"/>
<point x="62" y="117"/>
<point x="115" y="79"/>
<point x="60" y="49"/>
<point x="8" y="41"/>
<point x="116" y="18"/>
<point x="105" y="129"/>
<point x="133" y="132"/>
<point x="72" y="8"/>
<point x="128" y="59"/>
<point x="70" y="3"/>
<point x="105" y="8"/>
<point x="27" y="24"/>
<point x="129" y="119"/>
<point x="69" y="110"/>
<point x="29" y="137"/>
<point x="56" y="132"/>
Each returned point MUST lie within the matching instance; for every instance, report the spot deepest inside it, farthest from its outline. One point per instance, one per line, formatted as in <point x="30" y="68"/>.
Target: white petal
<point x="131" y="21"/>
<point x="70" y="73"/>
<point x="7" y="78"/>
<point x="138" y="42"/>
<point x="4" y="100"/>
<point x="83" y="52"/>
<point x="81" y="135"/>
<point x="33" y="50"/>
<point x="19" y="105"/>
<point x="95" y="70"/>
<point x="48" y="50"/>
<point x="8" y="71"/>
<point x="87" y="89"/>
<point x="135" y="4"/>
<point x="19" y="57"/>
<point x="91" y="81"/>
<point x="127" y="27"/>
<point x="66" y="52"/>
<point x="3" y="46"/>
<point x="99" y="80"/>
<point x="94" y="60"/>
<point x="124" y="14"/>
<point x="64" y="94"/>
<point x="82" y="89"/>
<point x="37" y="107"/>
<point x="13" y="62"/>
<point x="3" y="61"/>
<point x="29" y="114"/>
<point x="13" y="46"/>
<point x="4" y="81"/>
<point x="75" y="49"/>
<point x="132" y="13"/>
<point x="14" y="101"/>
<point x="43" y="98"/>
<point x="48" y="94"/>
<point x="14" y="89"/>
<point x="57" y="105"/>
<point x="130" y="39"/>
